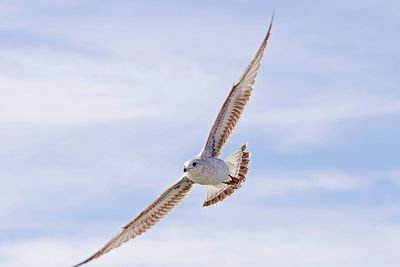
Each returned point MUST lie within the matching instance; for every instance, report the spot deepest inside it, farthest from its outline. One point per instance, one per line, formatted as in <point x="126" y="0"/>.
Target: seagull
<point x="220" y="176"/>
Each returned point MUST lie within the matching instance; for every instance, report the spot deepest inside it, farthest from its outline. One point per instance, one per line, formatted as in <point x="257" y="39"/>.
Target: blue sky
<point x="102" y="102"/>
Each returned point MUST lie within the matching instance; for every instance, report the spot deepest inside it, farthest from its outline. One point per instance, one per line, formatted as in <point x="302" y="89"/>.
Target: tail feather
<point x="238" y="163"/>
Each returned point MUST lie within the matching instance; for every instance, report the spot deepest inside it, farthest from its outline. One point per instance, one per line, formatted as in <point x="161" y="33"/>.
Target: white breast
<point x="214" y="171"/>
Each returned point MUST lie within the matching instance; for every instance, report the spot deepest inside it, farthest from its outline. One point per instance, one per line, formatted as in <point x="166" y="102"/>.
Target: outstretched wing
<point x="233" y="106"/>
<point x="147" y="218"/>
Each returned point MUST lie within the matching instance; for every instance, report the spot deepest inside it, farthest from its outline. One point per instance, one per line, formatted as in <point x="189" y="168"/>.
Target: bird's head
<point x="193" y="166"/>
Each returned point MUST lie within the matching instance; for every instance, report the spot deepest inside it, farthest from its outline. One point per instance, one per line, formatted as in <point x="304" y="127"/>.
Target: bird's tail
<point x="237" y="163"/>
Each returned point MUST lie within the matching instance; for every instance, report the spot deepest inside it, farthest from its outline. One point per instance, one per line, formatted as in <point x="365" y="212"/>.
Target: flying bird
<point x="220" y="176"/>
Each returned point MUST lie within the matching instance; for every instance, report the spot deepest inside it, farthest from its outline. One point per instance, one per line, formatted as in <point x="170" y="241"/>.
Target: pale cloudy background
<point x="95" y="97"/>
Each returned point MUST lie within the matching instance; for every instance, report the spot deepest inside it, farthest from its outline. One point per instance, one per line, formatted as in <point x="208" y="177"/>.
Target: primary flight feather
<point x="221" y="176"/>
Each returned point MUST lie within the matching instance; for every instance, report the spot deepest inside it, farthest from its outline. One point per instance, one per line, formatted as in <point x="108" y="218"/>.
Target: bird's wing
<point x="234" y="104"/>
<point x="147" y="218"/>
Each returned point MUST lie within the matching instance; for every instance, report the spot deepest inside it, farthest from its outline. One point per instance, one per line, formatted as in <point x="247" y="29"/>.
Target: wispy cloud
<point x="282" y="185"/>
<point x="96" y="96"/>
<point x="311" y="119"/>
<point x="68" y="102"/>
<point x="305" y="238"/>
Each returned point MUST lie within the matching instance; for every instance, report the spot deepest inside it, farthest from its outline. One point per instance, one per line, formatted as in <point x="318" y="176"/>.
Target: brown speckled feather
<point x="227" y="190"/>
<point x="147" y="218"/>
<point x="223" y="126"/>
<point x="234" y="104"/>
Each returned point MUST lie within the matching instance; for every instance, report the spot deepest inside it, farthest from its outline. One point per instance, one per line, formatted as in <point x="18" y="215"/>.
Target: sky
<point x="101" y="103"/>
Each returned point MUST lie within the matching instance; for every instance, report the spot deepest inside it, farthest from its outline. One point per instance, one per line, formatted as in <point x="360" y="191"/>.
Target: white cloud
<point x="90" y="74"/>
<point x="100" y="68"/>
<point x="56" y="191"/>
<point x="311" y="239"/>
<point x="313" y="119"/>
<point x="64" y="102"/>
<point x="300" y="182"/>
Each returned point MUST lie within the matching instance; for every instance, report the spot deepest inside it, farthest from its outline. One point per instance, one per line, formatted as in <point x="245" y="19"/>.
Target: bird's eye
<point x="194" y="164"/>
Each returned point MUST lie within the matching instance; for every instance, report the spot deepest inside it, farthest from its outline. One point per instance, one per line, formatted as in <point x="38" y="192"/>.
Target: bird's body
<point x="207" y="170"/>
<point x="221" y="176"/>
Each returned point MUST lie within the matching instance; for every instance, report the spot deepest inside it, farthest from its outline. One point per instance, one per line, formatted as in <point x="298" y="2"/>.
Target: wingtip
<point x="264" y="43"/>
<point x="273" y="16"/>
<point x="271" y="22"/>
<point x="83" y="262"/>
<point x="79" y="264"/>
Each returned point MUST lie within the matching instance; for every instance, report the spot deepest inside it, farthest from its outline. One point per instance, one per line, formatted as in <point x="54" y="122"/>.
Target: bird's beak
<point x="184" y="169"/>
